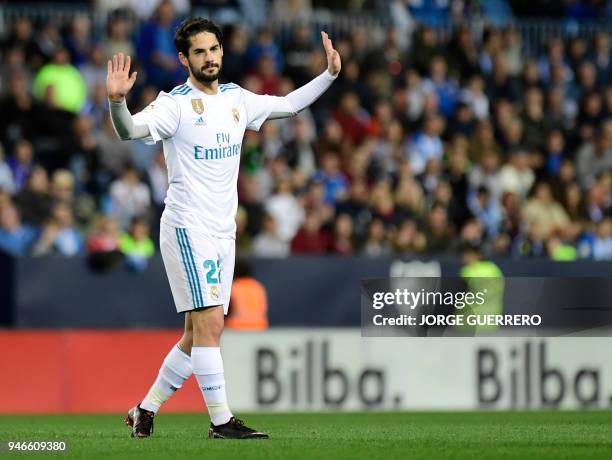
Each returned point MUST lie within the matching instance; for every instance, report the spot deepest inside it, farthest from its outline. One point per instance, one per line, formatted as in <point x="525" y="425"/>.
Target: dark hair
<point x="190" y="27"/>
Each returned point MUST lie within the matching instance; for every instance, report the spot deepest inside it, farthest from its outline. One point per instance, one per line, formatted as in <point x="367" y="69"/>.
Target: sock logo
<point x="212" y="387"/>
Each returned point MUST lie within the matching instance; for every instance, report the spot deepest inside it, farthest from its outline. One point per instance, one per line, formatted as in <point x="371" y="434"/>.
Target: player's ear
<point x="183" y="59"/>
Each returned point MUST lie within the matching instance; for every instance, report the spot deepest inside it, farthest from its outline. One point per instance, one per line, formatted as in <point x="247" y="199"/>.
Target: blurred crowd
<point x="423" y="145"/>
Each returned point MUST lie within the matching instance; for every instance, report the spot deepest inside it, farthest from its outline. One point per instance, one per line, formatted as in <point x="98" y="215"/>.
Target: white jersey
<point x="202" y="138"/>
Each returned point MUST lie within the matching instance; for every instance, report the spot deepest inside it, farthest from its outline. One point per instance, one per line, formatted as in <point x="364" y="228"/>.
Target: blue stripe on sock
<point x="187" y="268"/>
<point x="197" y="277"/>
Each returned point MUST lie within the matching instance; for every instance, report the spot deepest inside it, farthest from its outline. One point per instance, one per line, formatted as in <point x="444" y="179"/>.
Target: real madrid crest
<point x="236" y="115"/>
<point x="198" y="105"/>
<point x="214" y="292"/>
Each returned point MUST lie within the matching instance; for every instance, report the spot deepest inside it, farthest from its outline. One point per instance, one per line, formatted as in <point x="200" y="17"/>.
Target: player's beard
<point x="202" y="77"/>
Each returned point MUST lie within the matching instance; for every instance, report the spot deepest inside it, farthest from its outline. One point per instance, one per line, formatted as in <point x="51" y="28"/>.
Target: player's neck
<point x="207" y="88"/>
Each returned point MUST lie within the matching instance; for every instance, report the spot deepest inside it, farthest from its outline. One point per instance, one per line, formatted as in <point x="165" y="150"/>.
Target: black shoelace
<point x="239" y="425"/>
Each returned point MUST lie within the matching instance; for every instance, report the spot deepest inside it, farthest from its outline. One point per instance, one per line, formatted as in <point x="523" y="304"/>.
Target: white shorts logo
<point x="214" y="292"/>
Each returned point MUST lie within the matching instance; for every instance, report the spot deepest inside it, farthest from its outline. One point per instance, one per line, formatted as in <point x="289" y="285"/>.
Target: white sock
<point x="173" y="373"/>
<point x="208" y="368"/>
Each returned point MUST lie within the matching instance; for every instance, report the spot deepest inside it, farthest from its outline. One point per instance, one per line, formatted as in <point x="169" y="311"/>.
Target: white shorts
<point x="200" y="267"/>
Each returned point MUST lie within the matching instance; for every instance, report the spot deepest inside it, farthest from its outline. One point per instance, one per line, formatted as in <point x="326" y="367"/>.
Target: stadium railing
<point x="535" y="32"/>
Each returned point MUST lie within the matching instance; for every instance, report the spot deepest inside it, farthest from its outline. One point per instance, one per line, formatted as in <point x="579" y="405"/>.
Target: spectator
<point x="598" y="203"/>
<point x="21" y="116"/>
<point x="486" y="209"/>
<point x="264" y="44"/>
<point x="22" y="38"/>
<point x="78" y="40"/>
<point x="136" y="245"/>
<point x="268" y="74"/>
<point x="59" y="236"/>
<point x="425" y="49"/>
<point x="542" y="210"/>
<point x="249" y="200"/>
<point x="34" y="201"/>
<point x="311" y="239"/>
<point x="60" y="84"/>
<point x="439" y="232"/>
<point x="333" y="180"/>
<point x="314" y="200"/>
<point x="555" y="152"/>
<point x="389" y="149"/>
<point x="351" y="80"/>
<point x="485" y="173"/>
<point x="409" y="200"/>
<point x="471" y="234"/>
<point x="500" y="84"/>
<point x="7" y="183"/>
<point x="21" y="162"/>
<point x="352" y="118"/>
<point x="483" y="141"/>
<point x="534" y="128"/>
<point x="248" y="303"/>
<point x="129" y="197"/>
<point x="602" y="245"/>
<point x="593" y="158"/>
<point x="285" y="209"/>
<point x="382" y="204"/>
<point x="94" y="69"/>
<point x="16" y="238"/>
<point x="516" y="176"/>
<point x="408" y="239"/>
<point x="48" y="40"/>
<point x="342" y="242"/>
<point x="444" y="87"/>
<point x="301" y="150"/>
<point x="103" y="254"/>
<point x="118" y="37"/>
<point x="268" y="243"/>
<point x="376" y="244"/>
<point x="427" y="144"/>
<point x="602" y="57"/>
<point x="415" y="95"/>
<point x="234" y="54"/>
<point x="156" y="47"/>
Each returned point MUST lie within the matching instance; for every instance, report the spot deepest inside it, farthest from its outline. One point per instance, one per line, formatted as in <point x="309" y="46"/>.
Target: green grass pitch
<point x="475" y="435"/>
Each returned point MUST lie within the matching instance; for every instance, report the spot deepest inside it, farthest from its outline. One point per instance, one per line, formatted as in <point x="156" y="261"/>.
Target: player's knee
<point x="209" y="324"/>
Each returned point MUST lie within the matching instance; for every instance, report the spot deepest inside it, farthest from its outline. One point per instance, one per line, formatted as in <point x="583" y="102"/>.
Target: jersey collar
<point x="195" y="88"/>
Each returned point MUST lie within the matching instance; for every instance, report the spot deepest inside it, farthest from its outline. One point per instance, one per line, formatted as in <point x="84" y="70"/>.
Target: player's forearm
<point x="302" y="97"/>
<point x="123" y="123"/>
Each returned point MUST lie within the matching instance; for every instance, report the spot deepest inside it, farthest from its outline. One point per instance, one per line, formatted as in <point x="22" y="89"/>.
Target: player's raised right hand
<point x="118" y="81"/>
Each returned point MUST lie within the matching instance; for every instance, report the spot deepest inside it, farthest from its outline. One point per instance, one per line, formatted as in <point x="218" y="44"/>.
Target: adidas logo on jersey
<point x="200" y="122"/>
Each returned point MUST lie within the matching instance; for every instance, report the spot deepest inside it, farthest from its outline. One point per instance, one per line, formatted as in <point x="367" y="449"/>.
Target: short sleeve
<point x="161" y="116"/>
<point x="258" y="108"/>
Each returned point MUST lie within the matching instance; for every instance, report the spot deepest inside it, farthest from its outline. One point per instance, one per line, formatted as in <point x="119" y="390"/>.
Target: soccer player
<point x="201" y="124"/>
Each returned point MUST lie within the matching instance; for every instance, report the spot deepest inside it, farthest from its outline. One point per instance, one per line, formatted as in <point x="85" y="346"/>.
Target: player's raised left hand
<point x="333" y="58"/>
